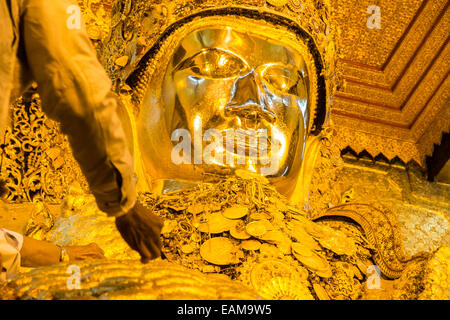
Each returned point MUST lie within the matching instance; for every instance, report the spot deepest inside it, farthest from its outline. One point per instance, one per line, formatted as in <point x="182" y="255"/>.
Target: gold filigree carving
<point x="382" y="231"/>
<point x="37" y="161"/>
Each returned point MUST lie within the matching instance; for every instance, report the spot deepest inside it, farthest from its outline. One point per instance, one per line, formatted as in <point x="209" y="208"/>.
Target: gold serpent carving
<point x="382" y="232"/>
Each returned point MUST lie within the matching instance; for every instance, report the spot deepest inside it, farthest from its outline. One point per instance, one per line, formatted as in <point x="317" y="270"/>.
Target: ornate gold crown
<point x="140" y="27"/>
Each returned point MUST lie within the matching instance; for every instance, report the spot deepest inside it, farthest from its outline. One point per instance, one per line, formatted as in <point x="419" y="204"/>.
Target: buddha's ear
<point x="301" y="191"/>
<point x="127" y="112"/>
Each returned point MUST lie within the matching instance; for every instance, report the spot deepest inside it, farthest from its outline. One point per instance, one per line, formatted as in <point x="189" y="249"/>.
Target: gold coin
<point x="251" y="245"/>
<point x="283" y="288"/>
<point x="169" y="226"/>
<point x="216" y="223"/>
<point x="277" y="3"/>
<point x="235" y="212"/>
<point x="262" y="272"/>
<point x="317" y="231"/>
<point x="187" y="248"/>
<point x="301" y="249"/>
<point x="316" y="264"/>
<point x="272" y="236"/>
<point x="259" y="216"/>
<point x="285" y="245"/>
<point x="269" y="250"/>
<point x="196" y="208"/>
<point x="320" y="292"/>
<point x="238" y="232"/>
<point x="219" y="251"/>
<point x="256" y="228"/>
<point x="339" y="245"/>
<point x="301" y="236"/>
<point x="269" y="226"/>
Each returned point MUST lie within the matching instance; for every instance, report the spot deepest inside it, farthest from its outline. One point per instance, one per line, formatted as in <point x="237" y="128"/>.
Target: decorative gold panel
<point x="395" y="93"/>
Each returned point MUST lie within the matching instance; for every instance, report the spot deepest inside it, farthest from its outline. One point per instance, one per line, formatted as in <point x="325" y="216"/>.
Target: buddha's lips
<point x="248" y="141"/>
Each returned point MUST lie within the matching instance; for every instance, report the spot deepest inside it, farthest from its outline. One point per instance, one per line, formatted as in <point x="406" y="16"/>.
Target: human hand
<point x="90" y="251"/>
<point x="2" y="276"/>
<point x="141" y="229"/>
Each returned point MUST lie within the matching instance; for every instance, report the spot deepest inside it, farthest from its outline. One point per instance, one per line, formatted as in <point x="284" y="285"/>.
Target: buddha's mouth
<point x="252" y="143"/>
<point x="253" y="150"/>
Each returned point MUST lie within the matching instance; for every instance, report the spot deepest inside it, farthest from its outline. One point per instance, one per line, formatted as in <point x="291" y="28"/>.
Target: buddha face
<point x="227" y="100"/>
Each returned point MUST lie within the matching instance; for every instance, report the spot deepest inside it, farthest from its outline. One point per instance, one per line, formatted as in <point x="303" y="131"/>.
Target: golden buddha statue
<point x="242" y="90"/>
<point x="226" y="91"/>
<point x="226" y="106"/>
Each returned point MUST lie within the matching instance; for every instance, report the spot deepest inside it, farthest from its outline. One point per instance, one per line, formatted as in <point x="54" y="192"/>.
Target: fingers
<point x="149" y="247"/>
<point x="141" y="229"/>
<point x="95" y="251"/>
<point x="126" y="231"/>
<point x="87" y="252"/>
<point x="144" y="252"/>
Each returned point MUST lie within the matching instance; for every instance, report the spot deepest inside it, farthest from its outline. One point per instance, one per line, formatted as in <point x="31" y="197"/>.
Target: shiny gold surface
<point x="224" y="78"/>
<point x="246" y="97"/>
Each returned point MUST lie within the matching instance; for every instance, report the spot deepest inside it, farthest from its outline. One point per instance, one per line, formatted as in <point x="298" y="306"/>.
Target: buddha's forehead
<point x="254" y="49"/>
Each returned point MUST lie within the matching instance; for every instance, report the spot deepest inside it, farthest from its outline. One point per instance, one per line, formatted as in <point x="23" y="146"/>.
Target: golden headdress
<point x="139" y="29"/>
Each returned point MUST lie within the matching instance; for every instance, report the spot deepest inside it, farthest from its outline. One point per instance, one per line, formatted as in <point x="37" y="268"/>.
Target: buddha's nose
<point x="249" y="100"/>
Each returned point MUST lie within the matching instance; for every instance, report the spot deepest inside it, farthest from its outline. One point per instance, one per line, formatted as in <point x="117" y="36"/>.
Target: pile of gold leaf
<point x="121" y="280"/>
<point x="241" y="223"/>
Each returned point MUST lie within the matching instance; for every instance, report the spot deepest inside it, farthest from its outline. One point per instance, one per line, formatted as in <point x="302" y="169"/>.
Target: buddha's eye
<point x="282" y="78"/>
<point x="215" y="63"/>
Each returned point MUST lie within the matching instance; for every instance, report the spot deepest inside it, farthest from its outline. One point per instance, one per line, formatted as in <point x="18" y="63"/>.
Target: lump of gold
<point x="169" y="226"/>
<point x="122" y="61"/>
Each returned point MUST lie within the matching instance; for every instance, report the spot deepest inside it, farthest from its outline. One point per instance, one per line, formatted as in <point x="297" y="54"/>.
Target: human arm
<point x="76" y="91"/>
<point x="36" y="253"/>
